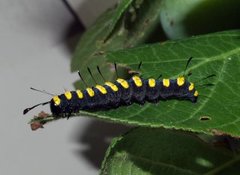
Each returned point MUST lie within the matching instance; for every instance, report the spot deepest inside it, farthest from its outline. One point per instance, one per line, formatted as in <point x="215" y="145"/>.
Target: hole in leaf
<point x="204" y="118"/>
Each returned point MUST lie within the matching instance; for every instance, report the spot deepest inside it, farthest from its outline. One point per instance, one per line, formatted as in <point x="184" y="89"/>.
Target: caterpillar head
<point x="65" y="104"/>
<point x="56" y="105"/>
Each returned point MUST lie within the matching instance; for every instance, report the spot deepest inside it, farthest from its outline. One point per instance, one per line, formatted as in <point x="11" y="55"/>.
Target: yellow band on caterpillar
<point x="191" y="87"/>
<point x="90" y="92"/>
<point x="101" y="89"/>
<point x="68" y="95"/>
<point x="151" y="82"/>
<point x="180" y="81"/>
<point x="137" y="80"/>
<point x="166" y="82"/>
<point x="123" y="83"/>
<point x="56" y="100"/>
<point x="112" y="86"/>
<point x="195" y="94"/>
<point x="79" y="94"/>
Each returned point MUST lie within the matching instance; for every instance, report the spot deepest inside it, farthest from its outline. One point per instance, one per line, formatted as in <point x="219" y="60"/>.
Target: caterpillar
<point x="121" y="93"/>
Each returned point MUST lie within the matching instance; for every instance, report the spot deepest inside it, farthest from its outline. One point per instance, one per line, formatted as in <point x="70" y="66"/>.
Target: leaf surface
<point x="146" y="151"/>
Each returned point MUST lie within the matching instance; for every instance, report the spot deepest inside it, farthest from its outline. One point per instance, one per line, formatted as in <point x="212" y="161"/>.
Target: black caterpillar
<point x="120" y="93"/>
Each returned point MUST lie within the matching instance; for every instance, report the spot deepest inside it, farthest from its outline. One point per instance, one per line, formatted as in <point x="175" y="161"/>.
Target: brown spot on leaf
<point x="218" y="132"/>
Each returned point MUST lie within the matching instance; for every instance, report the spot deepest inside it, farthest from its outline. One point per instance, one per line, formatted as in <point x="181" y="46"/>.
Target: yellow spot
<point x="56" y="100"/>
<point x="101" y="89"/>
<point x="151" y="82"/>
<point x="79" y="94"/>
<point x="68" y="95"/>
<point x="123" y="83"/>
<point x="166" y="82"/>
<point x="90" y="92"/>
<point x="180" y="81"/>
<point x="137" y="80"/>
<point x="195" y="94"/>
<point x="191" y="87"/>
<point x="112" y="86"/>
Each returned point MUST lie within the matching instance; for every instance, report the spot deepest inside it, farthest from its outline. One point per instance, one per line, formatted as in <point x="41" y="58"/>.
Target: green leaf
<point x="216" y="53"/>
<point x="121" y="8"/>
<point x="146" y="151"/>
<point x="130" y="24"/>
